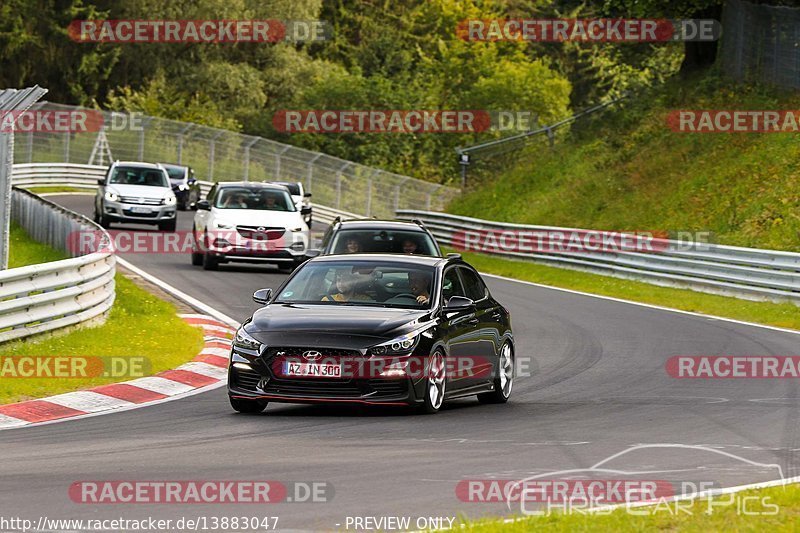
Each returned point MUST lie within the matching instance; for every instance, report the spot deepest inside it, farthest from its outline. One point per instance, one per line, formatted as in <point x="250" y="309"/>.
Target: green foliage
<point x="627" y="170"/>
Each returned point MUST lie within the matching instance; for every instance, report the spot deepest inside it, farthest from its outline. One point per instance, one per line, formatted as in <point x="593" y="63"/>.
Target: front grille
<point x="245" y="379"/>
<point x="139" y="200"/>
<point x="293" y="351"/>
<point x="260" y="233"/>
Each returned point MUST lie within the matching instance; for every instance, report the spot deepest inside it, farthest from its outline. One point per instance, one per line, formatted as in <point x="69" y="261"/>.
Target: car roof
<point x="136" y="164"/>
<point x="368" y="223"/>
<point x="425" y="260"/>
<point x="252" y="184"/>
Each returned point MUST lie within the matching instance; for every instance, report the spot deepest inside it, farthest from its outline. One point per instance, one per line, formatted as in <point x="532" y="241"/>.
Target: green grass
<point x="785" y="315"/>
<point x="139" y="325"/>
<point x="724" y="516"/>
<point x="24" y="251"/>
<point x="49" y="189"/>
<point x="626" y="170"/>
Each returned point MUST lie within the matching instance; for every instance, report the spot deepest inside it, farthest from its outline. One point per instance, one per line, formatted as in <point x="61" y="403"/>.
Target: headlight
<point x="219" y="224"/>
<point x="111" y="196"/>
<point x="245" y="340"/>
<point x="400" y="345"/>
<point x="183" y="187"/>
<point x="170" y="200"/>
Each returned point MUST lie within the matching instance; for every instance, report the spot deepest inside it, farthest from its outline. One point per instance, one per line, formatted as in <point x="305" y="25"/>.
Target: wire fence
<point x="761" y="42"/>
<point x="221" y="155"/>
<point x="488" y="158"/>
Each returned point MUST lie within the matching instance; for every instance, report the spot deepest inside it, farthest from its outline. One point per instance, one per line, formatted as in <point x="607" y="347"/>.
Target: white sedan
<point x="249" y="222"/>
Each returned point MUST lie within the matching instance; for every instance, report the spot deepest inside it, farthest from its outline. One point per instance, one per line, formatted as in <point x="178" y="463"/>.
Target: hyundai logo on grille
<point x="312" y="354"/>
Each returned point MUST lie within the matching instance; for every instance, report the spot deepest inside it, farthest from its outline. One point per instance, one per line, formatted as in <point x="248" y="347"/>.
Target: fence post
<point x="246" y="172"/>
<point x="66" y="147"/>
<point x="141" y="144"/>
<point x="338" y="190"/>
<point x="396" y="198"/>
<point x="183" y="132"/>
<point x="309" y="175"/>
<point x="277" y="176"/>
<point x="369" y="196"/>
<point x="30" y="147"/>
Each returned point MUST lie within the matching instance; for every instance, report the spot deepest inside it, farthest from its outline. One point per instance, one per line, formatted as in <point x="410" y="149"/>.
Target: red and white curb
<point x="207" y="371"/>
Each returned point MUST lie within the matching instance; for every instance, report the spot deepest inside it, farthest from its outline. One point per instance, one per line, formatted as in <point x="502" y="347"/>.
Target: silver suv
<point x="136" y="192"/>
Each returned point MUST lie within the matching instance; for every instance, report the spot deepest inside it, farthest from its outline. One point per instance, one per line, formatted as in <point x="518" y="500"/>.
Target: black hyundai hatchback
<point x="374" y="329"/>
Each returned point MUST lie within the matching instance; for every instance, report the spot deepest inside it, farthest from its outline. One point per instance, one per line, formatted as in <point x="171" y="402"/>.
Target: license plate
<point x="319" y="370"/>
<point x="141" y="210"/>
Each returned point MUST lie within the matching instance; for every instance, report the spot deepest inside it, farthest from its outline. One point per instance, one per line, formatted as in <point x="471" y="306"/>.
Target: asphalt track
<point x="598" y="388"/>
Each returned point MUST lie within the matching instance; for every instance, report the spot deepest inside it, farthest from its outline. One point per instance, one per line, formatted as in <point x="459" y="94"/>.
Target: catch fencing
<point x="761" y="43"/>
<point x="221" y="155"/>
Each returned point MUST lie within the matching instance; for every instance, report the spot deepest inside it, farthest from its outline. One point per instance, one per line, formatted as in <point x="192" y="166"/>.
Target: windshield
<point x="254" y="198"/>
<point x="175" y="172"/>
<point x="369" y="283"/>
<point x="383" y="241"/>
<point x="153" y="177"/>
<point x="294" y="188"/>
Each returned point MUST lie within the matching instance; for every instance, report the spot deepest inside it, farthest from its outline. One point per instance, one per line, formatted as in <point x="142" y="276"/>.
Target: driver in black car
<point x="419" y="283"/>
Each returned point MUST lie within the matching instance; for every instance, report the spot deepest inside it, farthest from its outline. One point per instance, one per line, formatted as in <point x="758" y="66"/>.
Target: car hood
<point x="350" y="326"/>
<point x="253" y="217"/>
<point x="140" y="191"/>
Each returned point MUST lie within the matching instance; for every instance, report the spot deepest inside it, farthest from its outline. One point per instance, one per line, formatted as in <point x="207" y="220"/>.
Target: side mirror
<point x="459" y="303"/>
<point x="101" y="182"/>
<point x="203" y="205"/>
<point x="307" y="195"/>
<point x="262" y="296"/>
<point x="305" y="210"/>
<point x="313" y="252"/>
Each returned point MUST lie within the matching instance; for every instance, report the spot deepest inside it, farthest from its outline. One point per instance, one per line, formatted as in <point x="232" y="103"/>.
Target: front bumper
<point x="251" y="376"/>
<point x="229" y="245"/>
<point x="151" y="214"/>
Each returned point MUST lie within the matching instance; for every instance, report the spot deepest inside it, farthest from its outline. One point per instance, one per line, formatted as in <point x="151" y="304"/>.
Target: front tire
<point x="436" y="384"/>
<point x="169" y="225"/>
<point x="504" y="379"/>
<point x="210" y="262"/>
<point x="248" y="406"/>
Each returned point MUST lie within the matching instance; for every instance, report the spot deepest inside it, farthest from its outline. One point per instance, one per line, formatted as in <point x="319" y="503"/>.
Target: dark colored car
<point x="378" y="236"/>
<point x="184" y="185"/>
<point x="374" y="329"/>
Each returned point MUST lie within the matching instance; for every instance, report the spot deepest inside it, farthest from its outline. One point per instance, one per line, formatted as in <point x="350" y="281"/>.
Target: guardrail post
<point x="551" y="137"/>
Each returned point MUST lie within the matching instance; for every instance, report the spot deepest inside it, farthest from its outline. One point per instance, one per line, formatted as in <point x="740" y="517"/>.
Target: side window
<point x="473" y="284"/>
<point x="451" y="285"/>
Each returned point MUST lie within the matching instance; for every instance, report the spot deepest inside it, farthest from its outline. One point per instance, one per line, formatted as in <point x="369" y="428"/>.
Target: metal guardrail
<point x="50" y="296"/>
<point x="86" y="176"/>
<point x="749" y="273"/>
